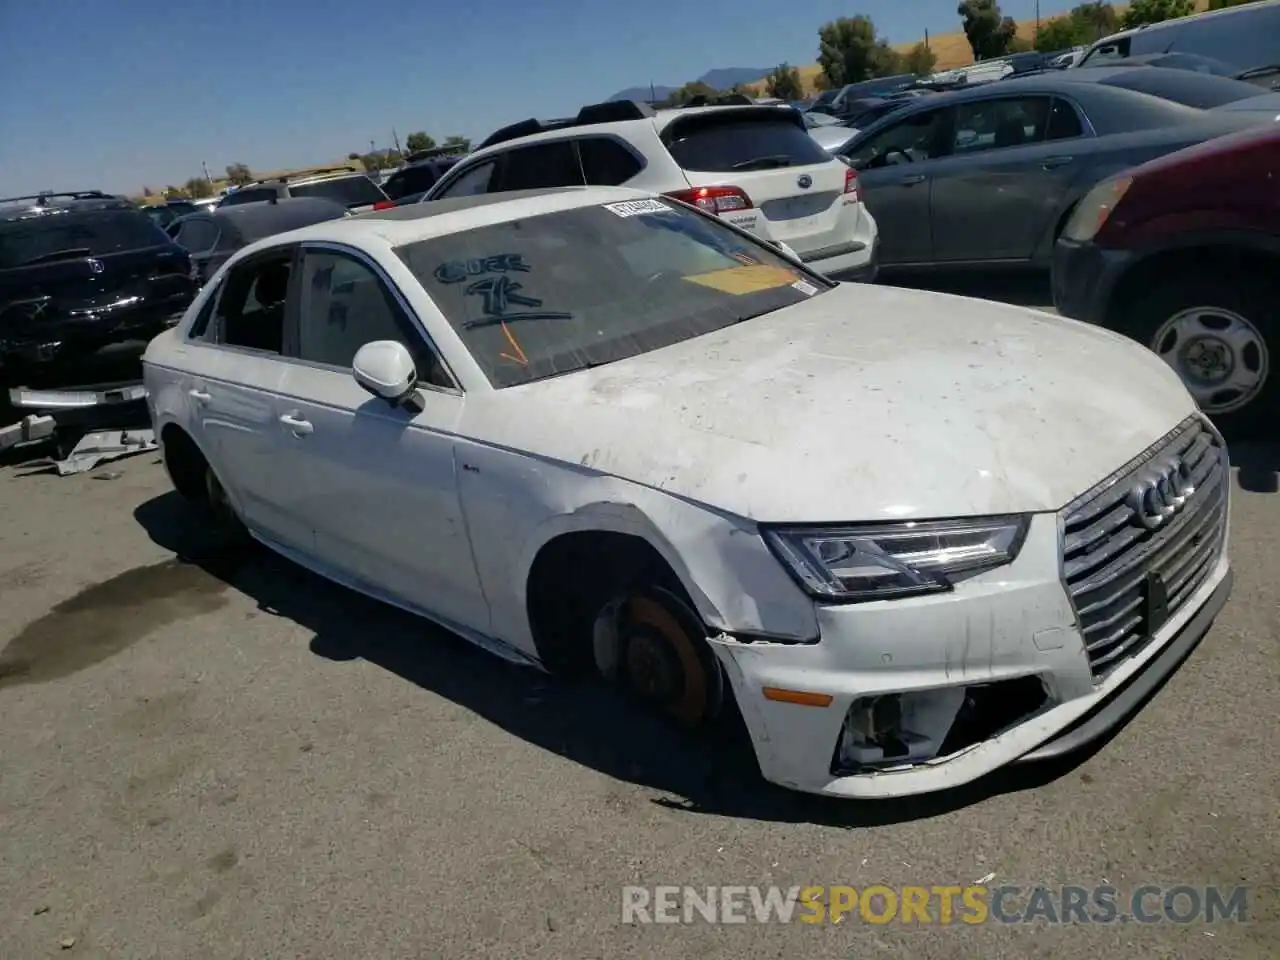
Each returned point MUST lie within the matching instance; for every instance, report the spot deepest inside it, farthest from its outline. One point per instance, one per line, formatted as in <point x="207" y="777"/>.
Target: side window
<point x="197" y="234"/>
<point x="997" y="124"/>
<point x="200" y="329"/>
<point x="1064" y="122"/>
<point x="1248" y="39"/>
<point x="553" y="164"/>
<point x="469" y="182"/>
<point x="344" y="305"/>
<point x="250" y="311"/>
<point x="606" y="162"/>
<point x="249" y="196"/>
<point x="911" y="139"/>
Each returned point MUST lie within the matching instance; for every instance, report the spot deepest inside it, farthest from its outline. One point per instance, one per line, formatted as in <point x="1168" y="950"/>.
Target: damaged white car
<point x="913" y="537"/>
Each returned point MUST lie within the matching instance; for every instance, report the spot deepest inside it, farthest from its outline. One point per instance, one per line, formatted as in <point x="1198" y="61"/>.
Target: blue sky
<point x="120" y="95"/>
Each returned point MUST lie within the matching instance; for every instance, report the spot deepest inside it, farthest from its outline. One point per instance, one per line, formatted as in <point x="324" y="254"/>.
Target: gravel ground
<point x="213" y="755"/>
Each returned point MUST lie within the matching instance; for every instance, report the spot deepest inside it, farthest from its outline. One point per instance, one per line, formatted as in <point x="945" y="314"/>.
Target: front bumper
<point x="1084" y="278"/>
<point x="1011" y="623"/>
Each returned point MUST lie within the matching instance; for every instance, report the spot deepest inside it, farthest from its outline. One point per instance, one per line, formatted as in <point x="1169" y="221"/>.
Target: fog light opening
<point x="901" y="729"/>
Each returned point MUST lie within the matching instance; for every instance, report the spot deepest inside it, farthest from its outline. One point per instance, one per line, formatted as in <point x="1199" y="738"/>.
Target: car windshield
<point x="560" y="292"/>
<point x="86" y="233"/>
<point x="355" y="191"/>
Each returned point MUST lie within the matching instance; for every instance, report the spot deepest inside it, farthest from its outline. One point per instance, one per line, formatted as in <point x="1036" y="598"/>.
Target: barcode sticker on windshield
<point x="808" y="289"/>
<point x="632" y="208"/>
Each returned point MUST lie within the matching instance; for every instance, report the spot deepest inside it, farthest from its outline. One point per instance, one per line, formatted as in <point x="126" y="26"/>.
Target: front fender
<point x="516" y="504"/>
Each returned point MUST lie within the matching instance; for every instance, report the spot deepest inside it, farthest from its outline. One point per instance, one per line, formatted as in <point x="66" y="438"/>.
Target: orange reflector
<point x="801" y="697"/>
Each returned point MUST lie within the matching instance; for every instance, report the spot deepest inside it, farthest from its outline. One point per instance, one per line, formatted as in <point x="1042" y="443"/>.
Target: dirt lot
<point x="209" y="755"/>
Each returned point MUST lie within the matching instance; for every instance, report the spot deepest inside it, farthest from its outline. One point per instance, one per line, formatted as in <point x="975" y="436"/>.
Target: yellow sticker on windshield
<point x="744" y="280"/>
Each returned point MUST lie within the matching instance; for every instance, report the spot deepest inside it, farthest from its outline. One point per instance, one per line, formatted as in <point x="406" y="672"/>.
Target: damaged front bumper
<point x="917" y="695"/>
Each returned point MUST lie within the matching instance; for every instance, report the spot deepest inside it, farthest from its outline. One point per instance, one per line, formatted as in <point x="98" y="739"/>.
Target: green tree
<point x="784" y="83"/>
<point x="849" y="51"/>
<point x="990" y="33"/>
<point x="919" y="60"/>
<point x="1058" y="34"/>
<point x="174" y="193"/>
<point x="1154" y="11"/>
<point x="239" y="173"/>
<point x="460" y="144"/>
<point x="198" y="187"/>
<point x="419" y="141"/>
<point x="687" y="92"/>
<point x="1094" y="21"/>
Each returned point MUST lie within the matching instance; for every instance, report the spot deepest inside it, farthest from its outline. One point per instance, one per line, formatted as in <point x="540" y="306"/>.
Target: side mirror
<point x="385" y="369"/>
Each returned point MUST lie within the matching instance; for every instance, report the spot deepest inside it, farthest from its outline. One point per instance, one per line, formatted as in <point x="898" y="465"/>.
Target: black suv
<point x="417" y="177"/>
<point x="80" y="272"/>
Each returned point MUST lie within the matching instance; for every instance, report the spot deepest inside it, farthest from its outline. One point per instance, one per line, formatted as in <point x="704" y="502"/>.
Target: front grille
<point x="1124" y="579"/>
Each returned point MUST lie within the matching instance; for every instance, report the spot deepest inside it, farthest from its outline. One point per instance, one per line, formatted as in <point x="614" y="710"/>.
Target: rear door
<point x="1010" y="167"/>
<point x="797" y="187"/>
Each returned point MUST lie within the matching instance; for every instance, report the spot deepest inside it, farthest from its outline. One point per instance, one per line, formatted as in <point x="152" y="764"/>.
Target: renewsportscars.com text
<point x="973" y="904"/>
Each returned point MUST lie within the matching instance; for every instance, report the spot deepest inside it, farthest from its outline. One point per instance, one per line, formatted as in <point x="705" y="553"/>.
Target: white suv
<point x="755" y="166"/>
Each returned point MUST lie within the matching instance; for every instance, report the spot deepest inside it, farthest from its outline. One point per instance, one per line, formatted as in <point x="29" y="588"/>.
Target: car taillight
<point x="851" y="182"/>
<point x="384" y="204"/>
<point x="714" y="199"/>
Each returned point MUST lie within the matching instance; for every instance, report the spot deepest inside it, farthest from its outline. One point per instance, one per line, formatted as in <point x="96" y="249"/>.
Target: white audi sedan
<point x="909" y="537"/>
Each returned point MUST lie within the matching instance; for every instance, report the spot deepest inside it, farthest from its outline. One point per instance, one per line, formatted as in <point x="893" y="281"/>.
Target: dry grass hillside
<point x="952" y="49"/>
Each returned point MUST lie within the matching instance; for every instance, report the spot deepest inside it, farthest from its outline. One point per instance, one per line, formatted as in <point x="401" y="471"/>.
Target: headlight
<point x="894" y="560"/>
<point x="1092" y="211"/>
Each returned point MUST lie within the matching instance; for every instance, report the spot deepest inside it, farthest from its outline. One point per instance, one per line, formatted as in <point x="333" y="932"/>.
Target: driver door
<point x="895" y="169"/>
<point x="376" y="482"/>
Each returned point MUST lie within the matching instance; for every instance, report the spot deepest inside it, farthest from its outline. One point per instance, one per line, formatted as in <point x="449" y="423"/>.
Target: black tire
<point x="1151" y="319"/>
<point x="198" y="484"/>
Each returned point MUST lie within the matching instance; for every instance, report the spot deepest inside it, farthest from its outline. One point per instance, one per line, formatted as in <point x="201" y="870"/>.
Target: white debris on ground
<point x="103" y="446"/>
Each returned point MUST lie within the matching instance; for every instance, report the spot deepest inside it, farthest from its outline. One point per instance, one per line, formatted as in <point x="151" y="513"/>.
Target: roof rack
<point x="317" y="172"/>
<point x="44" y="196"/>
<point x="612" y="111"/>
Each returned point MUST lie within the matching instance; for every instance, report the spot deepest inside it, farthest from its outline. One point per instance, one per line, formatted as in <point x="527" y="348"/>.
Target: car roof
<point x="659" y="121"/>
<point x="294" y="179"/>
<point x="397" y="226"/>
<point x="1177" y="22"/>
<point x="38" y="205"/>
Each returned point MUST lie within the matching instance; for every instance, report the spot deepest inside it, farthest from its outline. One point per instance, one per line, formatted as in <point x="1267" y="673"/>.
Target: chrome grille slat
<point x="1108" y="557"/>
<point x="1200" y="508"/>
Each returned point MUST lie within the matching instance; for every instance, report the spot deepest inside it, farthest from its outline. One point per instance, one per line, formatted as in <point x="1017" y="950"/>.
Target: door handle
<point x="199" y="396"/>
<point x="296" y="424"/>
<point x="1052" y="163"/>
<point x="913" y="179"/>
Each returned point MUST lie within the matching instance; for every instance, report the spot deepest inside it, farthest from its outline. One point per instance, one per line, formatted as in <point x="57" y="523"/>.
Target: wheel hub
<point x="1219" y="354"/>
<point x="653" y="667"/>
<point x="1207" y="359"/>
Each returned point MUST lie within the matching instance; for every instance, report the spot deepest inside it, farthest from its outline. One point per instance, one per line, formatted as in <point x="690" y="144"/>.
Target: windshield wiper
<point x="71" y="253"/>
<point x="764" y="163"/>
<point x="1254" y="72"/>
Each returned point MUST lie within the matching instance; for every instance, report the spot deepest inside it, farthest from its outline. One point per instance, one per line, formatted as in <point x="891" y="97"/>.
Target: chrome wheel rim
<point x="1220" y="356"/>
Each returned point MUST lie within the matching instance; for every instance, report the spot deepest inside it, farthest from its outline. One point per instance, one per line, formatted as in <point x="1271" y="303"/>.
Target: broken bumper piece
<point x="924" y="694"/>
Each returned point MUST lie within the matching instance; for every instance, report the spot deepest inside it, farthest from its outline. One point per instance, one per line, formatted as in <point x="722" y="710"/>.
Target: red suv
<point x="1183" y="254"/>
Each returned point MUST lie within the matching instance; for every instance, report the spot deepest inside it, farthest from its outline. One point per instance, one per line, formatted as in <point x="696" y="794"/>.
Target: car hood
<point x="863" y="403"/>
<point x="833" y="136"/>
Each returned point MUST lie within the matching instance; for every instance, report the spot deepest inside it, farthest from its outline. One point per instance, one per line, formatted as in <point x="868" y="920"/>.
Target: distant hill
<point x="721" y="78"/>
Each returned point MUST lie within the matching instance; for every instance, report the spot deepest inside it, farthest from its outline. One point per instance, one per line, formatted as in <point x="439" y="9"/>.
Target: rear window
<point x="560" y="292"/>
<point x="417" y="179"/>
<point x="1187" y="87"/>
<point x="355" y="191"/>
<point x="713" y="142"/>
<point x="247" y="196"/>
<point x="88" y="233"/>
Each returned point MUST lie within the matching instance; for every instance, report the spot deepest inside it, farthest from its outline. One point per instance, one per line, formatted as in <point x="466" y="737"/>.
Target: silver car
<point x="990" y="175"/>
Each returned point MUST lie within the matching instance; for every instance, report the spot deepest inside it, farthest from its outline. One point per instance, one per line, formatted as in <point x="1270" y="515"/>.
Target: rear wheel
<point x="198" y="484"/>
<point x="1220" y="335"/>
